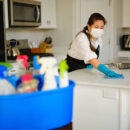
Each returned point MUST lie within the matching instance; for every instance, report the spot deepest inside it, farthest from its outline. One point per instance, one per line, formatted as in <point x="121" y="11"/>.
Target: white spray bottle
<point x="47" y="67"/>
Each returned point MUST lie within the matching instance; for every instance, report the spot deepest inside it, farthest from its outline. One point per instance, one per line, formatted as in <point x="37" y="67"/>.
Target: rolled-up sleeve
<point x="84" y="46"/>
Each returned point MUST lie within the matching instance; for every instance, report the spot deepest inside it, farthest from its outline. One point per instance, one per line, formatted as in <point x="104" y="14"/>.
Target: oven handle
<point x="37" y="14"/>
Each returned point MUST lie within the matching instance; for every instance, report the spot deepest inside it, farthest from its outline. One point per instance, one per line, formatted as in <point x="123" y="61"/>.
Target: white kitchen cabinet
<point x="125" y="13"/>
<point x="6" y="14"/>
<point x="125" y="109"/>
<point x="95" y="108"/>
<point x="48" y="14"/>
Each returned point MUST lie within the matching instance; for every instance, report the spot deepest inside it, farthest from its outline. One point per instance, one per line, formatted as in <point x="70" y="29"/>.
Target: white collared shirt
<point x="80" y="48"/>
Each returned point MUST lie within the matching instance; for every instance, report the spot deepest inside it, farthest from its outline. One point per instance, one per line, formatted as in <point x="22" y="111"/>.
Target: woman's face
<point x="98" y="24"/>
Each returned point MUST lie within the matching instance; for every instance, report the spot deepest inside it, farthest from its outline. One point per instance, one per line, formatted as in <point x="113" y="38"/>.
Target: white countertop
<point x="95" y="78"/>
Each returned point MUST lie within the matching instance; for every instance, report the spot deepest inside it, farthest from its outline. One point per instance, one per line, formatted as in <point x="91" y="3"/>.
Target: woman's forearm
<point x="95" y="62"/>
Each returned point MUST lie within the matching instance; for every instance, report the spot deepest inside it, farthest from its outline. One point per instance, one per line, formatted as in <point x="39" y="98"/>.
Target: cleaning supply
<point x="47" y="68"/>
<point x="109" y="73"/>
<point x="24" y="59"/>
<point x="13" y="80"/>
<point x="7" y="65"/>
<point x="28" y="84"/>
<point x="64" y="81"/>
<point x="6" y="87"/>
<point x="36" y="65"/>
<point x="20" y="67"/>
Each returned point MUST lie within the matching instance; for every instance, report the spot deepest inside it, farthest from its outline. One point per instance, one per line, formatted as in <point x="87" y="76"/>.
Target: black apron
<point x="75" y="64"/>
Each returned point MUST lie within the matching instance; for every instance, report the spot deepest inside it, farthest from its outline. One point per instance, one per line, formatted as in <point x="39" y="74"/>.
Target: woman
<point x="84" y="50"/>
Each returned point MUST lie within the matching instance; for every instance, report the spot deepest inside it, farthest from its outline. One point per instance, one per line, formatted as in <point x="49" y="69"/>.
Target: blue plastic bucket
<point x="40" y="110"/>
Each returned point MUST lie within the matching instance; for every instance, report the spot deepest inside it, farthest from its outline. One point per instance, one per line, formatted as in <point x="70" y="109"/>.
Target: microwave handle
<point x="37" y="13"/>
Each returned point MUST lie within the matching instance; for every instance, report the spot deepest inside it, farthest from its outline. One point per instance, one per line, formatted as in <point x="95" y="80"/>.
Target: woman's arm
<point x="95" y="62"/>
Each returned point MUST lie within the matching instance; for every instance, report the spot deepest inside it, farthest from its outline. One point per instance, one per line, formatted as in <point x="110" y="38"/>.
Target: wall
<point x="116" y="16"/>
<point x="30" y="34"/>
<point x="63" y="34"/>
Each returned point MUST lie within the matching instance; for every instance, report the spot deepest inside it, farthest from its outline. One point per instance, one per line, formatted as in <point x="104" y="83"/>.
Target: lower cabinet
<point x="124" y="109"/>
<point x="101" y="108"/>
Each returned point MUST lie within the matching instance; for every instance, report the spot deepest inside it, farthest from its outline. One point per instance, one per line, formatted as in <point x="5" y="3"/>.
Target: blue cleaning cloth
<point x="89" y="67"/>
<point x="121" y="76"/>
<point x="13" y="80"/>
<point x="109" y="73"/>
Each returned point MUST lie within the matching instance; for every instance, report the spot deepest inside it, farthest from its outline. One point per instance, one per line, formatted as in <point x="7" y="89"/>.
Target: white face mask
<point x="97" y="33"/>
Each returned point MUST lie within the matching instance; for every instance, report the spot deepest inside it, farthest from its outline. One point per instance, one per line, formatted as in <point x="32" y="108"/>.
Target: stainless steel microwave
<point x="24" y="13"/>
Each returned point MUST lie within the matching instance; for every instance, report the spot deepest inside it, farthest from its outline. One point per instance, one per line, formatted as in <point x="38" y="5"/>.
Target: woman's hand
<point x="109" y="73"/>
<point x="102" y="68"/>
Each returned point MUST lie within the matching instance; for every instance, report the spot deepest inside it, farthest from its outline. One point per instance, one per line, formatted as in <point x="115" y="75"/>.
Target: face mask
<point x="97" y="33"/>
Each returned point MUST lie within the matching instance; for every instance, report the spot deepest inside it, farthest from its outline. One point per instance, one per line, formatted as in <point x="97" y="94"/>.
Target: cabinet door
<point x="48" y="14"/>
<point x="126" y="13"/>
<point x="6" y="13"/>
<point x="124" y="109"/>
<point x="95" y="108"/>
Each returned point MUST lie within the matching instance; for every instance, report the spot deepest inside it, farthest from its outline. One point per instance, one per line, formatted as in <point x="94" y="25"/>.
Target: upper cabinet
<point x="6" y="14"/>
<point x="126" y="13"/>
<point x="48" y="14"/>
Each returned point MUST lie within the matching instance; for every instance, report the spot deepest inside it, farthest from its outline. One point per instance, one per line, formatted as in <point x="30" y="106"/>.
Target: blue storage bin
<point x="40" y="110"/>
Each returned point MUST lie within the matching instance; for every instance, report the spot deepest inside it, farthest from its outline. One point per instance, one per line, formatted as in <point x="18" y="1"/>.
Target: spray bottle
<point x="5" y="86"/>
<point x="22" y="64"/>
<point x="24" y="60"/>
<point x="47" y="67"/>
<point x="28" y="84"/>
<point x="64" y="81"/>
<point x="36" y="65"/>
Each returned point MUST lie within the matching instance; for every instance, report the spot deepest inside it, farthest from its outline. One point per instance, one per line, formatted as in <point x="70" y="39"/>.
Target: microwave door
<point x="25" y="14"/>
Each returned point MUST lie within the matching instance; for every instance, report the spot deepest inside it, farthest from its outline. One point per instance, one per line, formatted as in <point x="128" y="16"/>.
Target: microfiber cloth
<point x="121" y="76"/>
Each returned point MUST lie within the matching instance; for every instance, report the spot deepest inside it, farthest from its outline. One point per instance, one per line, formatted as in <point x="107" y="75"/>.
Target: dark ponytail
<point x="85" y="31"/>
<point x="85" y="28"/>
